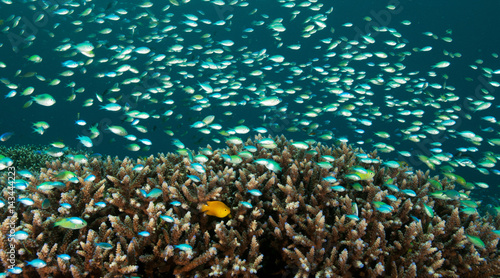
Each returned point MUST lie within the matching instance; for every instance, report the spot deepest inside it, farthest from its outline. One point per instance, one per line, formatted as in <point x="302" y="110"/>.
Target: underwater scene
<point x="258" y="138"/>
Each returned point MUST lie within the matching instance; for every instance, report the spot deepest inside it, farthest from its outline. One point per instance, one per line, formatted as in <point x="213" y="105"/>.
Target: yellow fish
<point x="216" y="208"/>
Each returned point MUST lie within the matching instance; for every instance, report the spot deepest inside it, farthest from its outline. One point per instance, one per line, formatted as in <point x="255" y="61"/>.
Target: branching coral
<point x="332" y="219"/>
<point x="33" y="157"/>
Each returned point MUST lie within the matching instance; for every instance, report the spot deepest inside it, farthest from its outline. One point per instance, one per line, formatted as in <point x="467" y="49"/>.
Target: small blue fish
<point x="167" y="218"/>
<point x="338" y="188"/>
<point x="409" y="192"/>
<point x="154" y="193"/>
<point x="469" y="211"/>
<point x="104" y="245"/>
<point x="476" y="241"/>
<point x="80" y="122"/>
<point x="49" y="185"/>
<point x="26" y="201"/>
<point x="138" y="167"/>
<point x="385" y="208"/>
<point x="74" y="180"/>
<point x="146" y="142"/>
<point x="64" y="257"/>
<point x="45" y="204"/>
<point x="21" y="184"/>
<point x="45" y="186"/>
<point x="144" y="234"/>
<point x="246" y="204"/>
<point x="251" y="148"/>
<point x="391" y="198"/>
<point x="16" y="270"/>
<point x="5" y="162"/>
<point x="58" y="184"/>
<point x="66" y="205"/>
<point x="352" y="216"/>
<point x="101" y="204"/>
<point x="194" y="178"/>
<point x="85" y="140"/>
<point x="392" y="164"/>
<point x="429" y="211"/>
<point x="273" y="166"/>
<point x="325" y="165"/>
<point x="330" y="179"/>
<point x="25" y="174"/>
<point x="20" y="235"/>
<point x="392" y="187"/>
<point x="261" y="161"/>
<point x="70" y="64"/>
<point x="357" y="187"/>
<point x="226" y="157"/>
<point x="414" y="218"/>
<point x="175" y="203"/>
<point x="37" y="263"/>
<point x="184" y="247"/>
<point x="198" y="167"/>
<point x="6" y="136"/>
<point x="260" y="130"/>
<point x="90" y="178"/>
<point x="255" y="192"/>
<point x="111" y="107"/>
<point x="11" y="94"/>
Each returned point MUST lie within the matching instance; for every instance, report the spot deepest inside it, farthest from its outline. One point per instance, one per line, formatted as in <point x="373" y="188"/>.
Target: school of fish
<point x="191" y="73"/>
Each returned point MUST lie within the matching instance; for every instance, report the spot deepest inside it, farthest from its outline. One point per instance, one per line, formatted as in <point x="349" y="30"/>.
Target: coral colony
<point x="263" y="208"/>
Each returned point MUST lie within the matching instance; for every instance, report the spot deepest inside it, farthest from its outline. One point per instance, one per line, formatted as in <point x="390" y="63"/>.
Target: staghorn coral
<point x="299" y="227"/>
<point x="32" y="157"/>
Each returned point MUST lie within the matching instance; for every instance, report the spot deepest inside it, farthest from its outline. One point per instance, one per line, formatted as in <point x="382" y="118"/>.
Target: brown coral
<point x="299" y="227"/>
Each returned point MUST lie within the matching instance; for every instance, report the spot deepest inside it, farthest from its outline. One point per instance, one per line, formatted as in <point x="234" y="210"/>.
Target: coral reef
<point x="324" y="212"/>
<point x="33" y="157"/>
